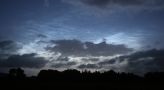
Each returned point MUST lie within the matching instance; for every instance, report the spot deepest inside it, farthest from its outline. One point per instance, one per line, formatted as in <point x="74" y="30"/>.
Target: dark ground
<point x="73" y="79"/>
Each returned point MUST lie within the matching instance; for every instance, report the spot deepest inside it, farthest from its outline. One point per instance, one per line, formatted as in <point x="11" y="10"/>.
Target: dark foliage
<point x="74" y="78"/>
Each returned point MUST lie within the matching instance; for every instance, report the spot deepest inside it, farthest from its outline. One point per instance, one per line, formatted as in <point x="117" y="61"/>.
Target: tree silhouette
<point x="17" y="73"/>
<point x="73" y="77"/>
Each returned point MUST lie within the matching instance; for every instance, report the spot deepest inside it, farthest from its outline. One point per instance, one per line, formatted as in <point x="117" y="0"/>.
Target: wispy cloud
<point x="112" y="5"/>
<point x="46" y="3"/>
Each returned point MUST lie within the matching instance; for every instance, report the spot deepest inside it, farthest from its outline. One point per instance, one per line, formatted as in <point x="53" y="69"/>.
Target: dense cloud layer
<point x="78" y="48"/>
<point x="64" y="65"/>
<point x="8" y="47"/>
<point x="139" y="62"/>
<point x="85" y="55"/>
<point x="146" y="61"/>
<point x="26" y="61"/>
<point x="88" y="66"/>
<point x="9" y="56"/>
<point x="62" y="62"/>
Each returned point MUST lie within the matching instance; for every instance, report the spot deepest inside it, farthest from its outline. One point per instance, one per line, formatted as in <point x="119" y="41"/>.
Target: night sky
<point x="123" y="35"/>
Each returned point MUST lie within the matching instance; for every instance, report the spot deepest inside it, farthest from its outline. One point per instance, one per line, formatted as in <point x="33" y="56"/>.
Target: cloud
<point x="93" y="59"/>
<point x="112" y="61"/>
<point x="63" y="65"/>
<point x="8" y="48"/>
<point x="42" y="36"/>
<point x="139" y="62"/>
<point x="88" y="66"/>
<point x="26" y="61"/>
<point x="46" y="3"/>
<point x="103" y="3"/>
<point x="4" y="44"/>
<point x="65" y="59"/>
<point x="148" y="61"/>
<point x="119" y="4"/>
<point x="78" y="48"/>
<point x="85" y="55"/>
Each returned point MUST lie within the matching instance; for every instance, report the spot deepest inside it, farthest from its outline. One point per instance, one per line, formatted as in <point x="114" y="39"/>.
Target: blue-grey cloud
<point x="88" y="66"/>
<point x="78" y="48"/>
<point x="139" y="62"/>
<point x="93" y="59"/>
<point x="64" y="65"/>
<point x="8" y="47"/>
<point x="103" y="3"/>
<point x="42" y="36"/>
<point x="112" y="61"/>
<point x="65" y="59"/>
<point x="25" y="61"/>
<point x="46" y="3"/>
<point x="115" y="4"/>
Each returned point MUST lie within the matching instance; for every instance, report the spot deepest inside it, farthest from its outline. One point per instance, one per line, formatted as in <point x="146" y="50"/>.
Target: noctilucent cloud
<point x="80" y="34"/>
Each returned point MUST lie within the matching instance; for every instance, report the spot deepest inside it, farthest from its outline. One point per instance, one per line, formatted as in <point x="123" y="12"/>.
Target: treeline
<point x="73" y="75"/>
<point x="74" y="79"/>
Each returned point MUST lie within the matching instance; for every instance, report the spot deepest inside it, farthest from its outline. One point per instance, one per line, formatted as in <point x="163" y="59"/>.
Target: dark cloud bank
<point x="10" y="58"/>
<point x="78" y="48"/>
<point x="26" y="61"/>
<point x="147" y="61"/>
<point x="139" y="62"/>
<point x="8" y="46"/>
